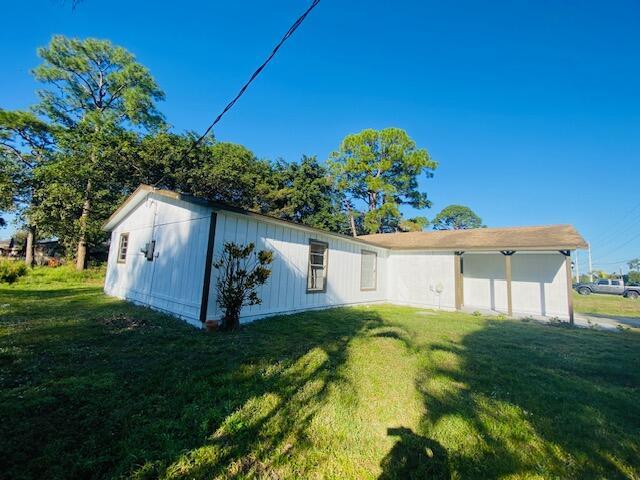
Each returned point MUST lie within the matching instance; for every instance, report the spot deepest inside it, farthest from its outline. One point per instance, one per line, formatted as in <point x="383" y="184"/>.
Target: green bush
<point x="11" y="270"/>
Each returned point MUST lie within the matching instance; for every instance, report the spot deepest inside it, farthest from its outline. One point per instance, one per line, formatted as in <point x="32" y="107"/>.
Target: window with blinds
<point x="368" y="270"/>
<point x="317" y="274"/>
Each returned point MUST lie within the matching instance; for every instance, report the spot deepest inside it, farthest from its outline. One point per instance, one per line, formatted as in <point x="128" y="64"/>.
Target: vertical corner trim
<point x="507" y="271"/>
<point x="458" y="280"/>
<point x="567" y="266"/>
<point x="206" y="283"/>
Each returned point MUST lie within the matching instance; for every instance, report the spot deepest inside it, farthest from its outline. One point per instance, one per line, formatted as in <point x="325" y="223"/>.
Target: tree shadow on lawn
<point x="527" y="400"/>
<point x="81" y="399"/>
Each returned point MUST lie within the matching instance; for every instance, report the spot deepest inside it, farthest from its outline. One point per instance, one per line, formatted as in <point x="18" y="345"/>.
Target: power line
<point x="616" y="248"/>
<point x="611" y="263"/>
<point x="255" y="74"/>
<point x="614" y="234"/>
<point x="622" y="245"/>
<point x="621" y="224"/>
<point x="228" y="107"/>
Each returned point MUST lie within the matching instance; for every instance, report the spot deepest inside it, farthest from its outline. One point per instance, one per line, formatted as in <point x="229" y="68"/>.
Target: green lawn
<point x="615" y="305"/>
<point x="92" y="387"/>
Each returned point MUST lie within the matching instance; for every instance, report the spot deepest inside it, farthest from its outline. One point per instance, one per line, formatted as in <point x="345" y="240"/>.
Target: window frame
<point x="364" y="252"/>
<point x="325" y="268"/>
<point x="123" y="235"/>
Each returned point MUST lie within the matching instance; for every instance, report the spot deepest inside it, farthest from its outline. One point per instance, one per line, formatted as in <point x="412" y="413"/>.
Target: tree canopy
<point x="380" y="169"/>
<point x="93" y="81"/>
<point x="97" y="133"/>
<point x="94" y="92"/>
<point x="456" y="217"/>
<point x="304" y="193"/>
<point x="25" y="144"/>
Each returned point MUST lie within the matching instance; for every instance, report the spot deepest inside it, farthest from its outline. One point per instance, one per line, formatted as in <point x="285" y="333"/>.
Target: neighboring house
<point x="8" y="248"/>
<point x="163" y="243"/>
<point x="47" y="251"/>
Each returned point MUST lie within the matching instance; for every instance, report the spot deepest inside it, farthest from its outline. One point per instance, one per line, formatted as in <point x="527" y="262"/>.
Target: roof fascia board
<point x="297" y="226"/>
<point x="482" y="250"/>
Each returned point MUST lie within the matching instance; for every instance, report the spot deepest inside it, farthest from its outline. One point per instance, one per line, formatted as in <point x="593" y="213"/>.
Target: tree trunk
<point x="231" y="320"/>
<point x="81" y="254"/>
<point x="29" y="255"/>
<point x="373" y="201"/>
<point x="352" y="222"/>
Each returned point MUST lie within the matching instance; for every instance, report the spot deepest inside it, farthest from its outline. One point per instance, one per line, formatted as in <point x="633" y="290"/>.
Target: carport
<point x="517" y="271"/>
<point x="536" y="283"/>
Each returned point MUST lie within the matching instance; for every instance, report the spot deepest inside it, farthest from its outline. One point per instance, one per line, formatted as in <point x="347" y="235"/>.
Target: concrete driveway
<point x="607" y="322"/>
<point x="586" y="320"/>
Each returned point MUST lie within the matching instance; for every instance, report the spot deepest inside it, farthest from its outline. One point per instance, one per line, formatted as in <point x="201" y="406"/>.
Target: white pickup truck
<point x="613" y="286"/>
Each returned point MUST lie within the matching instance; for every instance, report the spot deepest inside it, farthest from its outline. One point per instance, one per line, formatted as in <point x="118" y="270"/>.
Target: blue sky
<point x="532" y="109"/>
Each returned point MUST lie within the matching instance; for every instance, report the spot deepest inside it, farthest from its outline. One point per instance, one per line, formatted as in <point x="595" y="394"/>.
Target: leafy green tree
<point x="634" y="270"/>
<point x="456" y="217"/>
<point x="229" y="173"/>
<point x="161" y="159"/>
<point x="601" y="274"/>
<point x="380" y="168"/>
<point x="416" y="224"/>
<point x="94" y="89"/>
<point x="584" y="278"/>
<point x="7" y="188"/>
<point x="60" y="202"/>
<point x="301" y="192"/>
<point x="25" y="144"/>
<point x="304" y="193"/>
<point x="240" y="272"/>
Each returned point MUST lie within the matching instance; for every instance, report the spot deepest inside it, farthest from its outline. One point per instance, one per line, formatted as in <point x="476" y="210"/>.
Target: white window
<point x="317" y="274"/>
<point x="368" y="270"/>
<point x="122" y="247"/>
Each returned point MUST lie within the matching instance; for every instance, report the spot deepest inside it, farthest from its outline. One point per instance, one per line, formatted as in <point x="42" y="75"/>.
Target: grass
<point x="92" y="387"/>
<point x="600" y="304"/>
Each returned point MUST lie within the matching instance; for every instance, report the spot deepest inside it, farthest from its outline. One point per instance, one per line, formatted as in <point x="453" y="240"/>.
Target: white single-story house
<point x="163" y="244"/>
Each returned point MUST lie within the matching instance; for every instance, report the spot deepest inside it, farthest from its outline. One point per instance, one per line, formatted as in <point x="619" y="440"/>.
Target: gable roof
<point x="141" y="193"/>
<point x="548" y="237"/>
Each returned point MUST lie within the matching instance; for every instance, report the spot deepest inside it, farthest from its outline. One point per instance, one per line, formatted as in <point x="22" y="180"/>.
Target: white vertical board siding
<point x="415" y="277"/>
<point x="173" y="281"/>
<point x="538" y="283"/>
<point x="286" y="289"/>
<point x="484" y="284"/>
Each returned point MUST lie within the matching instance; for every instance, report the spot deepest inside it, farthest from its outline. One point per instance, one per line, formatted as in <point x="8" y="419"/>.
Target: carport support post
<point x="507" y="273"/>
<point x="458" y="280"/>
<point x="567" y="266"/>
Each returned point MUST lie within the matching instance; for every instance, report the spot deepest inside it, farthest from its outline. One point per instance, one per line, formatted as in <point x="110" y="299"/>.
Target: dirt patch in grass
<point x="121" y="322"/>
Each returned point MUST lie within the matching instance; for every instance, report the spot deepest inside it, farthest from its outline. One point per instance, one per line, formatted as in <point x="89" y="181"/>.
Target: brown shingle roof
<point x="550" y="237"/>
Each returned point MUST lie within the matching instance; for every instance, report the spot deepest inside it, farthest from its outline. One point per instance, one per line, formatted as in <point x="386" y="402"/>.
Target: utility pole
<point x="590" y="266"/>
